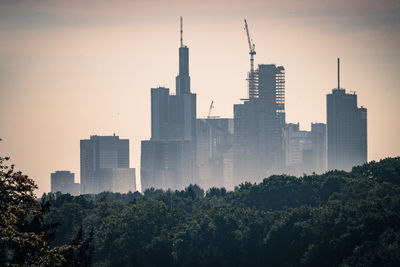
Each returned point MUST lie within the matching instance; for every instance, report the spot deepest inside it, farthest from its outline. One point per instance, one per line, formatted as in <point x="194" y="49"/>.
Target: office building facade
<point x="305" y="151"/>
<point x="215" y="153"/>
<point x="64" y="182"/>
<point x="347" y="131"/>
<point x="99" y="154"/>
<point x="259" y="124"/>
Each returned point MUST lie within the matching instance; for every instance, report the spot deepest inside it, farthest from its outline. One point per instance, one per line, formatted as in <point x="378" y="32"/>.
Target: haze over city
<point x="69" y="70"/>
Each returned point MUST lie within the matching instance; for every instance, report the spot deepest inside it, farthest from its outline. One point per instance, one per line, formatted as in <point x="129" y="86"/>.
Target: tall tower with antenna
<point x="183" y="78"/>
<point x="168" y="159"/>
<point x="346" y="129"/>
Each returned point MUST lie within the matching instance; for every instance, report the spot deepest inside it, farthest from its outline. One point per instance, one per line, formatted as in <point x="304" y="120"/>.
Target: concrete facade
<point x="64" y="182"/>
<point x="259" y="124"/>
<point x="347" y="131"/>
<point x="98" y="154"/>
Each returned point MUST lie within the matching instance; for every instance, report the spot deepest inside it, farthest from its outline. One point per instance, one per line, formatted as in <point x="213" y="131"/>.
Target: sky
<point x="71" y="69"/>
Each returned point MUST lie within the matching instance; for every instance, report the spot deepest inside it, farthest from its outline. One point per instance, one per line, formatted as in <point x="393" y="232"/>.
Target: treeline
<point x="335" y="219"/>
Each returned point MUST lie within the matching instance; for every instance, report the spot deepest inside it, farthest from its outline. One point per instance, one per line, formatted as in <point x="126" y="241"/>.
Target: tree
<point x="24" y="239"/>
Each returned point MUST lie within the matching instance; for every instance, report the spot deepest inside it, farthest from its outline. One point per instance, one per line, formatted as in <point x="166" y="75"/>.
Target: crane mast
<point x="252" y="52"/>
<point x="210" y="109"/>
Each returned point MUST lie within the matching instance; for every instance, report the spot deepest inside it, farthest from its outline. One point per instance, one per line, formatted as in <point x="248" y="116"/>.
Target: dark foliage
<point x="24" y="234"/>
<point x="334" y="219"/>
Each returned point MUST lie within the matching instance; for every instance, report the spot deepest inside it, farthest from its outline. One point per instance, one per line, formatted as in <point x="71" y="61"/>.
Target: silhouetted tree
<point x="24" y="237"/>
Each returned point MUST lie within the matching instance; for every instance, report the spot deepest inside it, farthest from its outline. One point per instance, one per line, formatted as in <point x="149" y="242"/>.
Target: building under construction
<point x="257" y="143"/>
<point x="259" y="123"/>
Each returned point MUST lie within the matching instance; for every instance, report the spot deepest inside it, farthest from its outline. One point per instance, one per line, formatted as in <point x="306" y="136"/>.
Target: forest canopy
<point x="334" y="219"/>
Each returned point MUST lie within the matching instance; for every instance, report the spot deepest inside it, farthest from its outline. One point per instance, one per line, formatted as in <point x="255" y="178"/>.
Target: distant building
<point x="105" y="162"/>
<point x="168" y="159"/>
<point x="167" y="164"/>
<point x="214" y="152"/>
<point x="305" y="150"/>
<point x="347" y="130"/>
<point x="64" y="182"/>
<point x="173" y="117"/>
<point x="297" y="143"/>
<point x="259" y="124"/>
<point x="319" y="136"/>
<point x="121" y="180"/>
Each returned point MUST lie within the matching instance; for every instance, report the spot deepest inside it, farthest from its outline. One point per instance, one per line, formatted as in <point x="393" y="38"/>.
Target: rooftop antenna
<point x="181" y="33"/>
<point x="338" y="73"/>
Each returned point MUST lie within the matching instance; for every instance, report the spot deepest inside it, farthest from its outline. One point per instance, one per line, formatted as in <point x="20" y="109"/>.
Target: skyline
<point x="132" y="94"/>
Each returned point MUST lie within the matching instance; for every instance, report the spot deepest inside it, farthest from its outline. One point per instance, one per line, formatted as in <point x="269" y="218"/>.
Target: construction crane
<point x="251" y="79"/>
<point x="210" y="109"/>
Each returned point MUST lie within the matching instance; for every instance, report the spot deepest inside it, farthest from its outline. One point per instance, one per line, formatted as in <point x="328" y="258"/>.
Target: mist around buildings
<point x="223" y="152"/>
<point x="252" y="190"/>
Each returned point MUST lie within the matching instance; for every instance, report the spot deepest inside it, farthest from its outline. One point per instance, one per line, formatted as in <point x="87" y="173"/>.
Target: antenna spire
<point x="181" y="33"/>
<point x="338" y="73"/>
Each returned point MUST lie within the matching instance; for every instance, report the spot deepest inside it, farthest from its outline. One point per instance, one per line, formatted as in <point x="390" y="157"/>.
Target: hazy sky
<point x="70" y="69"/>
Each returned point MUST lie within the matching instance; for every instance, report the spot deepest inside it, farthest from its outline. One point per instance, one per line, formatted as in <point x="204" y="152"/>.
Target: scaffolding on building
<point x="280" y="90"/>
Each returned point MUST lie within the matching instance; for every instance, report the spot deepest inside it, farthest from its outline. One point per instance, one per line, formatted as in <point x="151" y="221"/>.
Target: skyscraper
<point x="168" y="159"/>
<point x="102" y="153"/>
<point x="297" y="144"/>
<point x="318" y="133"/>
<point x="347" y="129"/>
<point x="173" y="117"/>
<point x="259" y="124"/>
<point x="305" y="150"/>
<point x="183" y="78"/>
<point x="214" y="152"/>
